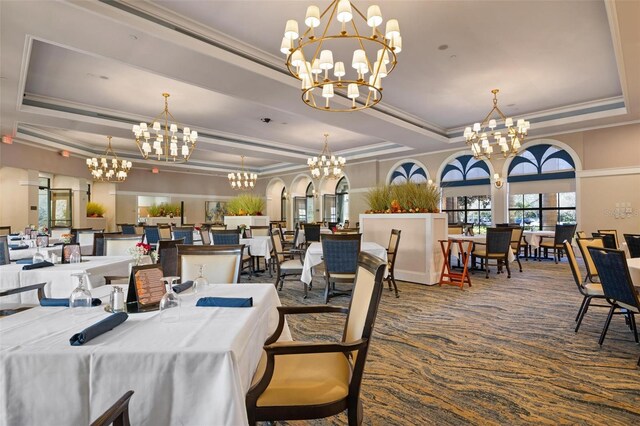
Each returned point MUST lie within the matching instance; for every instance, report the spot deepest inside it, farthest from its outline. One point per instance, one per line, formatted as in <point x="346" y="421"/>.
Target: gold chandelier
<point x="310" y="58"/>
<point x="108" y="169"/>
<point x="508" y="140"/>
<point x="326" y="164"/>
<point x="242" y="179"/>
<point x="165" y="141"/>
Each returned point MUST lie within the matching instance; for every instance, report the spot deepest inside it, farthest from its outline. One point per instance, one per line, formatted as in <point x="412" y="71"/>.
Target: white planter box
<point x="233" y="222"/>
<point x="419" y="256"/>
<point x="97" y="223"/>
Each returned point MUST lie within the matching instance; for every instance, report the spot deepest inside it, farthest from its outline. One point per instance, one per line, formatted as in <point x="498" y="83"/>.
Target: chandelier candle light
<point x="242" y="180"/>
<point x="508" y="140"/>
<point x="326" y="164"/>
<point x="311" y="60"/>
<point x="108" y="169"/>
<point x="165" y="141"/>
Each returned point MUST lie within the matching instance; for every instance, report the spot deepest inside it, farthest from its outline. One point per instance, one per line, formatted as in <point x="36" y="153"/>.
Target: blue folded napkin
<point x="24" y="262"/>
<point x="226" y="302"/>
<point x="179" y="288"/>
<point x="17" y="247"/>
<point x="15" y="238"/>
<point x="38" y="265"/>
<point x="14" y="235"/>
<point x="109" y="323"/>
<point x="50" y="301"/>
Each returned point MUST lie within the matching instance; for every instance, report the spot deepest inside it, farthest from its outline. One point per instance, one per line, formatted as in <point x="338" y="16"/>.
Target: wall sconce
<point x="315" y="194"/>
<point x="286" y="195"/>
<point x="622" y="210"/>
<point x="497" y="181"/>
<point x="155" y="171"/>
<point x="7" y="139"/>
<point x="64" y="153"/>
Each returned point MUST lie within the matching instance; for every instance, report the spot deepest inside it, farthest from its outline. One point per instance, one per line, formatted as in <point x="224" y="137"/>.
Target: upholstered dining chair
<point x="185" y="232"/>
<point x="68" y="250"/>
<point x="74" y="234"/>
<point x="127" y="228"/>
<point x="286" y="262"/>
<point x="309" y="380"/>
<point x="151" y="234"/>
<point x="4" y="251"/>
<point x="260" y="231"/>
<point x="589" y="291"/>
<point x="392" y="254"/>
<point x="232" y="237"/>
<point x="311" y="233"/>
<point x="516" y="242"/>
<point x="98" y="242"/>
<point x="617" y="287"/>
<point x="455" y="228"/>
<point x="563" y="232"/>
<point x="583" y="243"/>
<point x="292" y="242"/>
<point x="496" y="248"/>
<point x="613" y="232"/>
<point x="5" y="230"/>
<point x="168" y="256"/>
<point x="85" y="238"/>
<point x="119" y="245"/>
<point x="222" y="263"/>
<point x="218" y="227"/>
<point x="7" y="309"/>
<point x="633" y="244"/>
<point x="609" y="240"/>
<point x="581" y="234"/>
<point x="340" y="258"/>
<point x="117" y="414"/>
<point x="165" y="231"/>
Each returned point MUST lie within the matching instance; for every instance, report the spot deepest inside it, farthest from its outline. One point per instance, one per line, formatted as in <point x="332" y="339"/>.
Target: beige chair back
<point x="612" y="232"/>
<point x="260" y="231"/>
<point x="455" y="229"/>
<point x="119" y="245"/>
<point x="165" y="232"/>
<point x="583" y="243"/>
<point x="276" y="241"/>
<point x="222" y="264"/>
<point x="516" y="237"/>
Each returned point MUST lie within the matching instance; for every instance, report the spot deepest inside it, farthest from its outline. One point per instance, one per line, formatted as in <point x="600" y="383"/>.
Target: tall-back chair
<point x="98" y="242"/>
<point x="205" y="236"/>
<point x="311" y="233"/>
<point x="185" y="232"/>
<point x="340" y="255"/>
<point x="610" y="232"/>
<point x="260" y="231"/>
<point x="455" y="228"/>
<point x="68" y="250"/>
<point x="168" y="256"/>
<point x="42" y="240"/>
<point x="151" y="234"/>
<point x="317" y="380"/>
<point x="496" y="248"/>
<point x="119" y="245"/>
<point x="617" y="286"/>
<point x="581" y="234"/>
<point x="225" y="237"/>
<point x="117" y="414"/>
<point x="85" y="238"/>
<point x="583" y="244"/>
<point x="165" y="231"/>
<point x="127" y="228"/>
<point x="609" y="240"/>
<point x="285" y="261"/>
<point x="589" y="291"/>
<point x="222" y="263"/>
<point x="633" y="244"/>
<point x="563" y="232"/>
<point x="74" y="234"/>
<point x="218" y="227"/>
<point x="392" y="253"/>
<point x="4" y="251"/>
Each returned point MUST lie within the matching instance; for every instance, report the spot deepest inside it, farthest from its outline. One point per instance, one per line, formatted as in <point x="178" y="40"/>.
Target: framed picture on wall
<point x="214" y="211"/>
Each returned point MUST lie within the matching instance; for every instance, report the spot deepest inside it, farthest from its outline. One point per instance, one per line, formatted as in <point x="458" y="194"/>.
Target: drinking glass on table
<point x="80" y="298"/>
<point x="201" y="282"/>
<point x="75" y="257"/>
<point x="170" y="302"/>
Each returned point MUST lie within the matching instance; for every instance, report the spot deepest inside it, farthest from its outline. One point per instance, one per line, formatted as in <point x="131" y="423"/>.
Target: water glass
<point x="80" y="298"/>
<point x="170" y="302"/>
<point x="201" y="282"/>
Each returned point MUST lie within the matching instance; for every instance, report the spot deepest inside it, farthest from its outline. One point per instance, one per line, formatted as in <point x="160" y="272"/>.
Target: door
<point x="299" y="210"/>
<point x="329" y="213"/>
<point x="61" y="207"/>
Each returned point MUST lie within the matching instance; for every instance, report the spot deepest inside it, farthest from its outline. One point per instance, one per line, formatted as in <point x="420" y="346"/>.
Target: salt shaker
<point x="117" y="299"/>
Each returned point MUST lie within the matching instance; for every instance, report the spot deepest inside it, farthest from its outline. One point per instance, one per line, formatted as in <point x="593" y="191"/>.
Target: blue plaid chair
<point x="617" y="287"/>
<point x="633" y="244"/>
<point x="151" y="234"/>
<point x="4" y="251"/>
<point x="340" y="255"/>
<point x="128" y="229"/>
<point x="230" y="237"/>
<point x="183" y="232"/>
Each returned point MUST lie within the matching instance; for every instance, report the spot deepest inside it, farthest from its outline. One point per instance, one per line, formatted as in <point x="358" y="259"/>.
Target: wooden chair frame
<point x="212" y="250"/>
<point x="117" y="414"/>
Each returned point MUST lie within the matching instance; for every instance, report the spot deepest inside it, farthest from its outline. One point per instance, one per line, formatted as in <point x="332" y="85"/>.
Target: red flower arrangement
<point x="145" y="247"/>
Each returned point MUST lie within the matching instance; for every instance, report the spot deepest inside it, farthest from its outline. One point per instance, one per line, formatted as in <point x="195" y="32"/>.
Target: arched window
<point x="466" y="188"/>
<point x="408" y="172"/>
<point x="283" y="204"/>
<point x="310" y="193"/>
<point x="542" y="187"/>
<point x="342" y="200"/>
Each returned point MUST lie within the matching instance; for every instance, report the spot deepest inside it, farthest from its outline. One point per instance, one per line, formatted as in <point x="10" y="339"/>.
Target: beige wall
<point x="18" y="192"/>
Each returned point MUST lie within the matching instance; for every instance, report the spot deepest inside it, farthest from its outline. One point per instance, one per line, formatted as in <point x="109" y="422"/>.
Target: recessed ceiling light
<point x="443" y="47"/>
<point x="133" y="36"/>
<point x="265" y="120"/>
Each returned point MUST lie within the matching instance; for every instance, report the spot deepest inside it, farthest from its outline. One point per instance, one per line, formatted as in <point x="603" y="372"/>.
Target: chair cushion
<point x="305" y="379"/>
<point x="594" y="289"/>
<point x="549" y="244"/>
<point x="344" y="276"/>
<point x="483" y="253"/>
<point x="291" y="265"/>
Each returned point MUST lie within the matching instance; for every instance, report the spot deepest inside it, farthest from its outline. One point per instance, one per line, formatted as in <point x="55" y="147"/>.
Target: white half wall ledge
<point x="29" y="183"/>
<point x="619" y="171"/>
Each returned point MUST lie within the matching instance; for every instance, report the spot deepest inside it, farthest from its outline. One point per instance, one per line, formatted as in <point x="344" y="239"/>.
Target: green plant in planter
<point x="95" y="209"/>
<point x="154" y="210"/>
<point x="379" y="199"/>
<point x="408" y="197"/>
<point x="245" y="205"/>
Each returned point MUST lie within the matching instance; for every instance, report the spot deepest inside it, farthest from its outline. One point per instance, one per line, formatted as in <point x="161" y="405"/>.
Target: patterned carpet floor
<point x="502" y="352"/>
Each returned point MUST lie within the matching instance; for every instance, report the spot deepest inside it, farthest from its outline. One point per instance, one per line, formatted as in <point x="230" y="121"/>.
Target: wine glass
<point x="75" y="257"/>
<point x="201" y="282"/>
<point x="37" y="256"/>
<point x="170" y="302"/>
<point x="80" y="297"/>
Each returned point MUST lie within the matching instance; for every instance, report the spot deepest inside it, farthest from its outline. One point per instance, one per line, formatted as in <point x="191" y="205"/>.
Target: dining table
<point x="313" y="257"/>
<point x="195" y="371"/>
<point x="634" y="270"/>
<point x="58" y="278"/>
<point x="259" y="245"/>
<point x="28" y="252"/>
<point x="476" y="239"/>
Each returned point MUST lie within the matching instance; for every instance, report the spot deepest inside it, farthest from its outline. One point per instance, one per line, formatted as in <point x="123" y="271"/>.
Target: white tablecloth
<point x="476" y="239"/>
<point x="634" y="270"/>
<point x="313" y="257"/>
<point x="29" y="252"/>
<point x="258" y="246"/>
<point x="58" y="277"/>
<point x="302" y="240"/>
<point x="192" y="372"/>
<point x="533" y="237"/>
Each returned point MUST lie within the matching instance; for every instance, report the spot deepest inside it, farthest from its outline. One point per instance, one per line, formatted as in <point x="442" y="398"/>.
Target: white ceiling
<point x="97" y="68"/>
